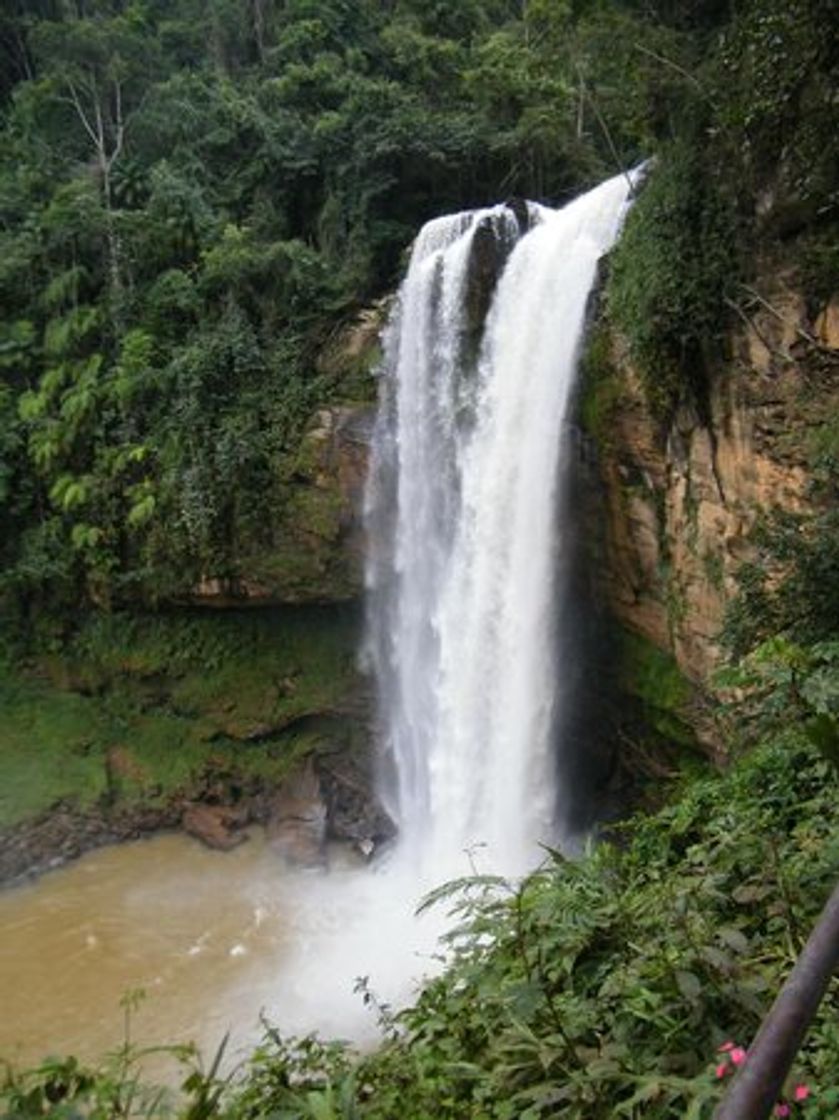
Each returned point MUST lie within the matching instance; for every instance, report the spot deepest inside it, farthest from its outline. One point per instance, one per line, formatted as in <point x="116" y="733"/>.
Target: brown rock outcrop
<point x="217" y="826"/>
<point x="297" y="819"/>
<point x="682" y="499"/>
<point x="827" y="325"/>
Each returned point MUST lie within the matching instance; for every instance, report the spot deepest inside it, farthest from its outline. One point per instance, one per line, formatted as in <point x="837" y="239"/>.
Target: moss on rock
<point x="147" y="709"/>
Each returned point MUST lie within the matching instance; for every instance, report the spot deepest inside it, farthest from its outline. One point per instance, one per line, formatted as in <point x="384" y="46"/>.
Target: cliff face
<point x="680" y="499"/>
<point x="315" y="554"/>
<point x="315" y="548"/>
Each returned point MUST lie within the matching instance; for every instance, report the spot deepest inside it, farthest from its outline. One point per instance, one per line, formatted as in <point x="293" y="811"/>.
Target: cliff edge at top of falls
<point x="679" y="498"/>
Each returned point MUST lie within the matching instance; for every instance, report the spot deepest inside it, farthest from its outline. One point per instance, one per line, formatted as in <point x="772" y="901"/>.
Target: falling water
<point x="466" y="639"/>
<point x="466" y="561"/>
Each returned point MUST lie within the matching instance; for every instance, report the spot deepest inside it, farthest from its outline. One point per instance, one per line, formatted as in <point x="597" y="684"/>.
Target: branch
<point x="805" y="335"/>
<point x="758" y="1083"/>
<point x="76" y="103"/>
<point x="606" y="133"/>
<point x="675" y="66"/>
<point x="752" y="325"/>
<point x="120" y="128"/>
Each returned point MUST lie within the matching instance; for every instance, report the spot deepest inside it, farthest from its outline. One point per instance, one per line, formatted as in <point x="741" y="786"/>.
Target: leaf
<point x="689" y="985"/>
<point x="750" y="892"/>
<point x="31" y="405"/>
<point x="823" y="733"/>
<point x="458" y="886"/>
<point x="734" y="938"/>
<point x="648" y="1091"/>
<point x="719" y="960"/>
<point x="320" y="1105"/>
<point x="142" y="511"/>
<point x="74" y="496"/>
<point x="85" y="536"/>
<point x="821" y="690"/>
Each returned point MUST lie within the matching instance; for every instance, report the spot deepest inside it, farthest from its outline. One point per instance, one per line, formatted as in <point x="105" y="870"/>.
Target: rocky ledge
<point x="682" y="498"/>
<point x="326" y="798"/>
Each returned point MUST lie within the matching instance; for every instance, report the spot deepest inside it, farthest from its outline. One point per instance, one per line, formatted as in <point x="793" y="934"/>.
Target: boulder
<point x="217" y="826"/>
<point x="297" y="820"/>
<point x="354" y="813"/>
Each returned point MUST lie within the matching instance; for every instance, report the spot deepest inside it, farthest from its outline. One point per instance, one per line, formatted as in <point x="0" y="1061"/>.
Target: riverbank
<point x="196" y="720"/>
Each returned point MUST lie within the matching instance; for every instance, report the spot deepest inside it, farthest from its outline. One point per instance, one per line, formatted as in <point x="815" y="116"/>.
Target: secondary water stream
<point x="466" y="642"/>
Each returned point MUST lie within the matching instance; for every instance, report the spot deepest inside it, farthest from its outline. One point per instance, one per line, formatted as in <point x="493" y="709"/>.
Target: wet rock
<point x="217" y="826"/>
<point x="329" y="797"/>
<point x="354" y="812"/>
<point x="65" y="832"/>
<point x="488" y="254"/>
<point x="297" y="821"/>
<point x="522" y="215"/>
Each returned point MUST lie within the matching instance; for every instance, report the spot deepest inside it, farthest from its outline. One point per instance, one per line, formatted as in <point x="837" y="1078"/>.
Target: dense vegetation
<point x="747" y="184"/>
<point x="142" y="712"/>
<point x="193" y="198"/>
<point x="603" y="988"/>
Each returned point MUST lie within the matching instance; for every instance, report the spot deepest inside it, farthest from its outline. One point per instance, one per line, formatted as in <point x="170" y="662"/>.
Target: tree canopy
<point x="192" y="195"/>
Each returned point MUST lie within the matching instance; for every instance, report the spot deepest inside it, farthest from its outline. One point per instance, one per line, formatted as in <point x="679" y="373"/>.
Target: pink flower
<point x="802" y="1092"/>
<point x="722" y="1069"/>
<point x="738" y="1055"/>
<point x="726" y="1046"/>
<point x="782" y="1110"/>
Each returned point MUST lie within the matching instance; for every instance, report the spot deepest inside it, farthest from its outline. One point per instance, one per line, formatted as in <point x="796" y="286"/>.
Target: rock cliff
<point x="313" y="551"/>
<point x="680" y="498"/>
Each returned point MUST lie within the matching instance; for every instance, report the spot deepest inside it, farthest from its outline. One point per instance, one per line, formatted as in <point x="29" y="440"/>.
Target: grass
<point x="50" y="749"/>
<point x="178" y="695"/>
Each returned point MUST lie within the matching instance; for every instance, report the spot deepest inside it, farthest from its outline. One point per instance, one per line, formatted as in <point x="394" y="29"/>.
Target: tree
<point x="100" y="66"/>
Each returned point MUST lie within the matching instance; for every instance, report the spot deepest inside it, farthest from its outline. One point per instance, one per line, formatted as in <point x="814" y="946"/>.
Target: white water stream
<point x="465" y="507"/>
<point x="465" y="641"/>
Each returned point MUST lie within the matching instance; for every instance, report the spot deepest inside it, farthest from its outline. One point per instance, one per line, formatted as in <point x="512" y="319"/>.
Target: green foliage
<point x="788" y="589"/>
<point x="115" y="1088"/>
<point x="601" y="387"/>
<point x="653" y="678"/>
<point x="747" y="170"/>
<point x="191" y="202"/>
<point x="603" y="987"/>
<point x="179" y="694"/>
<point x="782" y="628"/>
<point x="671" y="272"/>
<point x="595" y="988"/>
<point x="781" y="682"/>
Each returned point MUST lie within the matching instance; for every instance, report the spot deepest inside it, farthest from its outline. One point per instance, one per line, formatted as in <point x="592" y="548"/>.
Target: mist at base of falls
<point x="475" y="653"/>
<point x="214" y="940"/>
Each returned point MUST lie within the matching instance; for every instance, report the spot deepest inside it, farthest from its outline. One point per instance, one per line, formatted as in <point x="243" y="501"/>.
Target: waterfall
<point x="464" y="514"/>
<point x="466" y="577"/>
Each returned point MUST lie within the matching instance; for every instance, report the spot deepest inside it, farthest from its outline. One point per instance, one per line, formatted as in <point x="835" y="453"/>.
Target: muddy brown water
<point x="208" y="937"/>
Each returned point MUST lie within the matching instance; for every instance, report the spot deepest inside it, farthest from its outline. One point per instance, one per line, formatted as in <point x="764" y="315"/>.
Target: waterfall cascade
<point x="470" y="649"/>
<point x="464" y="508"/>
<point x="465" y="570"/>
